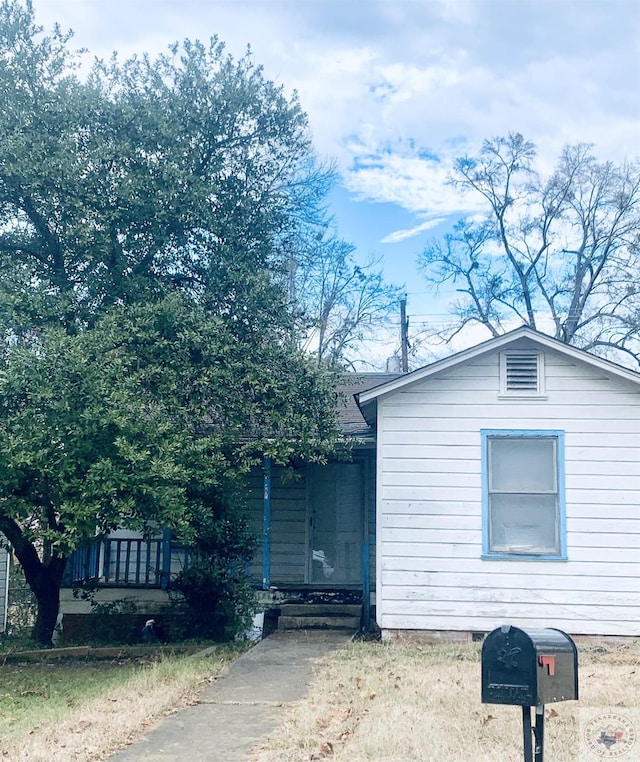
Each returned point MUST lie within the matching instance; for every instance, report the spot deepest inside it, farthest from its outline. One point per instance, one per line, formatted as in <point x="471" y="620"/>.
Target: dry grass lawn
<point x="60" y="720"/>
<point x="399" y="702"/>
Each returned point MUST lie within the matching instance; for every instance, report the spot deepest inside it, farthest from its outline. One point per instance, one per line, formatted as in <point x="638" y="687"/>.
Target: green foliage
<point x="178" y="172"/>
<point x="138" y="421"/>
<point x="216" y="598"/>
<point x="148" y="354"/>
<point x="113" y="623"/>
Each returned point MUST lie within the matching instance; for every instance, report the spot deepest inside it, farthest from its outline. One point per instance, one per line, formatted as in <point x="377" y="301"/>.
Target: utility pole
<point x="404" y="335"/>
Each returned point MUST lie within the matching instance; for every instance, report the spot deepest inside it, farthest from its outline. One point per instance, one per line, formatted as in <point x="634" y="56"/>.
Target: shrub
<point x="216" y="598"/>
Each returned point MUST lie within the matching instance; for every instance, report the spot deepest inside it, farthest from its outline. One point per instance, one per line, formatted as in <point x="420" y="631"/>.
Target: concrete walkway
<point x="242" y="706"/>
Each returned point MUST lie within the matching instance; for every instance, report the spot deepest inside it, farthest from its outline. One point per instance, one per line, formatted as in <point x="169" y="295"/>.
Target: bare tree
<point x="340" y="304"/>
<point x="561" y="255"/>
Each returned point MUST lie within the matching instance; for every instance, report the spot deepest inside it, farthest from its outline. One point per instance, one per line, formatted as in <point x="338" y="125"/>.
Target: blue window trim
<point x="562" y="529"/>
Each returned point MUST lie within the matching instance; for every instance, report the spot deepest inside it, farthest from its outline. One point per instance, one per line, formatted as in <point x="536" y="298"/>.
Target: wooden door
<point x="336" y="502"/>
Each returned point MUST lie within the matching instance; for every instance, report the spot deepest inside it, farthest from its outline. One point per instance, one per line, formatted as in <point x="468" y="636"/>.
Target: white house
<point x="508" y="491"/>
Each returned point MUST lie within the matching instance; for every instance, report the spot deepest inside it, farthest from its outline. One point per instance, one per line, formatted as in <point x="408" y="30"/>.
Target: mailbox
<point x="528" y="667"/>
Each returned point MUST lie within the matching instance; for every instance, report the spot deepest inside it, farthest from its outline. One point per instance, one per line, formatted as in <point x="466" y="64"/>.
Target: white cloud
<point x="544" y="72"/>
<point x="395" y="90"/>
<point x="388" y="72"/>
<point x="403" y="235"/>
<point x="400" y="175"/>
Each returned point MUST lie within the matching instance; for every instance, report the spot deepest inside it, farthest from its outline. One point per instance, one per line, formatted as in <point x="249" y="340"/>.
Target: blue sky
<point x="396" y="89"/>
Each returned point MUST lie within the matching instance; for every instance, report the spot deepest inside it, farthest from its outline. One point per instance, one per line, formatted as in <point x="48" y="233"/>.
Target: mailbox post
<point x="529" y="668"/>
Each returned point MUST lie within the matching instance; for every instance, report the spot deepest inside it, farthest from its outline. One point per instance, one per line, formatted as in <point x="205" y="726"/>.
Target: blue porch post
<point x="165" y="572"/>
<point x="266" y="525"/>
<point x="366" y="586"/>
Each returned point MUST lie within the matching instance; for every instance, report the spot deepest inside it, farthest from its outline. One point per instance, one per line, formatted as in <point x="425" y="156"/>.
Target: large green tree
<point x="145" y="420"/>
<point x="178" y="172"/>
<point x="148" y="353"/>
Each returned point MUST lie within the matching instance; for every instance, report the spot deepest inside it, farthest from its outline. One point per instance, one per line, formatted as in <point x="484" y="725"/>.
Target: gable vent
<point x="522" y="373"/>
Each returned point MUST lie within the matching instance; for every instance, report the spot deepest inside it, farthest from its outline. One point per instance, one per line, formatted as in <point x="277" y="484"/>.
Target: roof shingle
<point x="350" y="418"/>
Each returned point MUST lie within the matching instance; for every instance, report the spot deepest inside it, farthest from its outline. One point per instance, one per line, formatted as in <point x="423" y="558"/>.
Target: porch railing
<point x="127" y="562"/>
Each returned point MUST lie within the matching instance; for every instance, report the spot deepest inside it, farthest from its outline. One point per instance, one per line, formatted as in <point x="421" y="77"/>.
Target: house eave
<point x="491" y="345"/>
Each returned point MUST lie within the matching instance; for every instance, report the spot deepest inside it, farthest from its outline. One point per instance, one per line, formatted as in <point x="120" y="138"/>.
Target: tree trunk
<point x="47" y="594"/>
<point x="44" y="580"/>
<point x="43" y="577"/>
<point x="46" y="618"/>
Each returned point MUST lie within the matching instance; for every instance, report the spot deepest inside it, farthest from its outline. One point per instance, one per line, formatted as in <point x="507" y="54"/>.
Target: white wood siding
<point x="430" y="571"/>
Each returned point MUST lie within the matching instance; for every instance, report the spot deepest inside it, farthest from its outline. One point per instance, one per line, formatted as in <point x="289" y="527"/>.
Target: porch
<point x="127" y="560"/>
<point x="317" y="530"/>
<point x="316" y="548"/>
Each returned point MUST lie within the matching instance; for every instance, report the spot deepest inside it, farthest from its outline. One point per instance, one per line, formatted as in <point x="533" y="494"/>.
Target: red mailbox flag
<point x="548" y="661"/>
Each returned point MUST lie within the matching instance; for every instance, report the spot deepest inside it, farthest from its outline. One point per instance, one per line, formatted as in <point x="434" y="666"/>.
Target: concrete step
<point x="320" y="609"/>
<point x="351" y="623"/>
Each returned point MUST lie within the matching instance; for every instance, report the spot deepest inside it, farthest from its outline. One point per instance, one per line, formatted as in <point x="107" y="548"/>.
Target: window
<point x="522" y="373"/>
<point x="523" y="494"/>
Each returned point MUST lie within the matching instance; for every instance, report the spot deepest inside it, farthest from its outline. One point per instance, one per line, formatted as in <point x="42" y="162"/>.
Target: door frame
<point x="363" y="523"/>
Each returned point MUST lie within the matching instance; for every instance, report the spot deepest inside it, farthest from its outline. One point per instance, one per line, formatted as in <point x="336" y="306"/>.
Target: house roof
<point x="350" y="418"/>
<point x="541" y="339"/>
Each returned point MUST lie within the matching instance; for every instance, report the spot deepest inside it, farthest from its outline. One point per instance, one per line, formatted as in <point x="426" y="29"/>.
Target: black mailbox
<point x="528" y="667"/>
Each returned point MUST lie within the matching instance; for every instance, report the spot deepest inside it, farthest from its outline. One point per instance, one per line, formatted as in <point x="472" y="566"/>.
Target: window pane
<point x="522" y="464"/>
<point x="523" y="523"/>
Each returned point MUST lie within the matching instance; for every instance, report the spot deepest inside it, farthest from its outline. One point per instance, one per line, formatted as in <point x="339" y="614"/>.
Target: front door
<point x="336" y="523"/>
